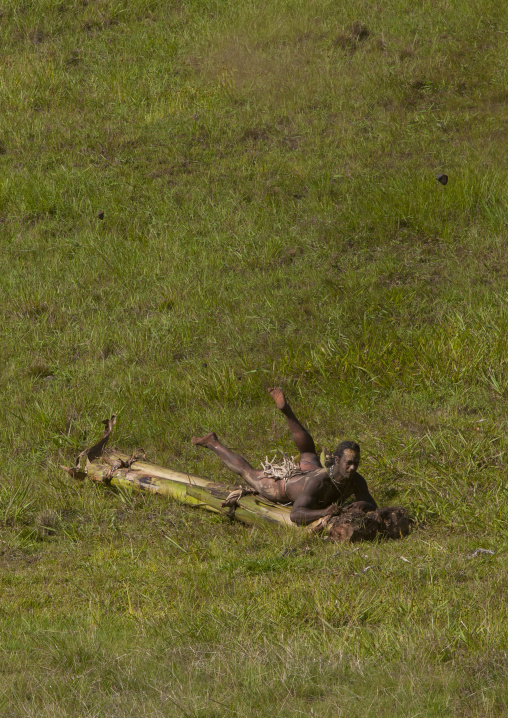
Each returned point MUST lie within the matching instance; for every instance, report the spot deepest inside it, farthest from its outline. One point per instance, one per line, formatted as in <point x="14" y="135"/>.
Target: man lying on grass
<point x="313" y="490"/>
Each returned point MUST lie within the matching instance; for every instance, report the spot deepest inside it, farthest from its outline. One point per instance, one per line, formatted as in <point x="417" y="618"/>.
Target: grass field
<point x="271" y="217"/>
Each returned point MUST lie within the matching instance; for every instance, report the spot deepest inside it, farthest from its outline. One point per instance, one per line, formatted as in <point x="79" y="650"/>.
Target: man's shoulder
<point x="358" y="480"/>
<point x="317" y="477"/>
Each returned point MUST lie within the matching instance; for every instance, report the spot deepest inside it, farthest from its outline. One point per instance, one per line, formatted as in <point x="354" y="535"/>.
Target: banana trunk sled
<point x="115" y="468"/>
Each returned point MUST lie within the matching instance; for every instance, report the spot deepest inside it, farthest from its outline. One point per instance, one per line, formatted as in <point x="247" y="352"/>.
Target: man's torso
<point x="324" y="490"/>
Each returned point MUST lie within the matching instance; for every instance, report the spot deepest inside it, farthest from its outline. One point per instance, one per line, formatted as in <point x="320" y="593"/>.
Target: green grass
<point x="271" y="216"/>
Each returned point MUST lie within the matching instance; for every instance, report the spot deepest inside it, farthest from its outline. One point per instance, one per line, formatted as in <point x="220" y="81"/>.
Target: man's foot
<point x="204" y="440"/>
<point x="278" y="396"/>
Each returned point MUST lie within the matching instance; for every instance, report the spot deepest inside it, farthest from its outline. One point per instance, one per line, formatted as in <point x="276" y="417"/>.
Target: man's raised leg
<point x="304" y="442"/>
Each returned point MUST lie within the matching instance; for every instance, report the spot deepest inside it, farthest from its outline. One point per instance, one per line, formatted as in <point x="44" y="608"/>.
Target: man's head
<point x="346" y="459"/>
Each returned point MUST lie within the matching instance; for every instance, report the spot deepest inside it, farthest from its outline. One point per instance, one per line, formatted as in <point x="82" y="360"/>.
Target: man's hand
<point x="333" y="510"/>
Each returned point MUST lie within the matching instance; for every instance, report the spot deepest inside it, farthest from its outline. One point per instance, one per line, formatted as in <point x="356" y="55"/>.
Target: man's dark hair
<point x="341" y="448"/>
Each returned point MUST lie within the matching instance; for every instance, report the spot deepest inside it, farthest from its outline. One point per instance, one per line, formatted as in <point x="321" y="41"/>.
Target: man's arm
<point x="364" y="500"/>
<point x="302" y="512"/>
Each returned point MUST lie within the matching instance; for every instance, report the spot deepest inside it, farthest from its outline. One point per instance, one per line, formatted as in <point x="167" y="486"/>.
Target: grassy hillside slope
<point x="271" y="216"/>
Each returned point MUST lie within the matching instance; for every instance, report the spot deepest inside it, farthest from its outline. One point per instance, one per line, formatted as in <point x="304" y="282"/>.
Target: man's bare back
<point x="316" y="491"/>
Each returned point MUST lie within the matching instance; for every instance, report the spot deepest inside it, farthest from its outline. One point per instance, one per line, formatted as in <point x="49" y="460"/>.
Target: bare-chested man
<point x="314" y="492"/>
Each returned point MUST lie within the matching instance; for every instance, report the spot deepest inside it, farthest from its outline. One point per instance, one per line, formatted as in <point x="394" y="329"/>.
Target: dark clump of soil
<point x="394" y="521"/>
<point x="354" y="525"/>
